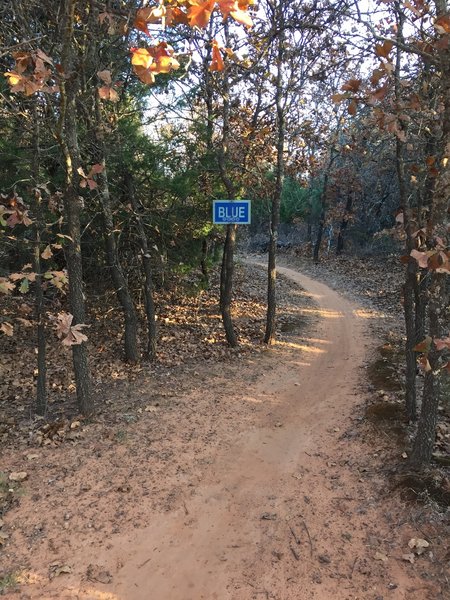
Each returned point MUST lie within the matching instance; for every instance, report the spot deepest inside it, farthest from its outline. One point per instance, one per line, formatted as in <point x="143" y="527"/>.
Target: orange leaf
<point x="108" y="93"/>
<point x="199" y="13"/>
<point x="217" y="63"/>
<point x="175" y="16"/>
<point x="144" y="75"/>
<point x="141" y="57"/>
<point x="442" y="24"/>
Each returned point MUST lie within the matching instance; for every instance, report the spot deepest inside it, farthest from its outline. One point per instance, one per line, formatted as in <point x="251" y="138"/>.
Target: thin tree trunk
<point x="39" y="308"/>
<point x="226" y="284"/>
<point x="411" y="269"/>
<point x="204" y="261"/>
<point x="68" y="139"/>
<point x="150" y="311"/>
<point x="323" y="216"/>
<point x="112" y="252"/>
<point x="344" y="223"/>
<point x="227" y="270"/>
<point x="269" y="337"/>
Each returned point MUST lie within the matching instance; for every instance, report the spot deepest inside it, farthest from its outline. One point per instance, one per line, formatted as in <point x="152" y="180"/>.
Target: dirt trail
<point x="213" y="546"/>
<point x="280" y="510"/>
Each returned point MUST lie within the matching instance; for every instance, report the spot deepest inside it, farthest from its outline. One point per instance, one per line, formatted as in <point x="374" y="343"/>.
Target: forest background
<point x="122" y="121"/>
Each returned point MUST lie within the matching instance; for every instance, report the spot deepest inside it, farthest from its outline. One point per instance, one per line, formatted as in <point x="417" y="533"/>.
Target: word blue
<point x="226" y="212"/>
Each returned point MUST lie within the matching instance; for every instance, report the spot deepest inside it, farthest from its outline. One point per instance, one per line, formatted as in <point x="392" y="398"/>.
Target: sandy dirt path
<point x="218" y="545"/>
<point x="280" y="509"/>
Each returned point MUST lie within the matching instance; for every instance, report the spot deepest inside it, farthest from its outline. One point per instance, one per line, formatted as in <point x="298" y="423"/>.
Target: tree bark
<point x="343" y="227"/>
<point x="269" y="337"/>
<point x="39" y="308"/>
<point x="226" y="285"/>
<point x="150" y="311"/>
<point x="439" y="293"/>
<point x="112" y="252"/>
<point x="67" y="136"/>
<point x="227" y="270"/>
<point x="411" y="269"/>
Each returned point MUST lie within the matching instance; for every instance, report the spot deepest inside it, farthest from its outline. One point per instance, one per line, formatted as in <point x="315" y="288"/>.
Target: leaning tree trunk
<point x="112" y="252"/>
<point x="68" y="140"/>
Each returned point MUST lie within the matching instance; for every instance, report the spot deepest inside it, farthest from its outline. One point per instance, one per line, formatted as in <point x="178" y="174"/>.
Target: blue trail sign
<point x="226" y="212"/>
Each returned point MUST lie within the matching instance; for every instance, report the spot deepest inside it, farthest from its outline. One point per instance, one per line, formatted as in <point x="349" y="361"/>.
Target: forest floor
<point x="232" y="474"/>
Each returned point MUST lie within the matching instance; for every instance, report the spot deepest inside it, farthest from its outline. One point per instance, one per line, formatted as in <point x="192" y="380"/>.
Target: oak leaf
<point x="200" y="12"/>
<point x="217" y="63"/>
<point x="7" y="329"/>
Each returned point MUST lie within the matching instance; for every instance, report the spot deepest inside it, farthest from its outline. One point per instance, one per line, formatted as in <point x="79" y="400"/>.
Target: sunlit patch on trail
<point x="368" y="314"/>
<point x="327" y="313"/>
<point x="303" y="347"/>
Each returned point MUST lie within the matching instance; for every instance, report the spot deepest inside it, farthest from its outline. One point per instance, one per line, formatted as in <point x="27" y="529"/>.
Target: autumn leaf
<point x="237" y="10"/>
<point x="383" y="50"/>
<point x="352" y="107"/>
<point x="6" y="286"/>
<point x="424" y="345"/>
<point x="105" y="76"/>
<point x="424" y="364"/>
<point x="149" y="15"/>
<point x="217" y="63"/>
<point x="7" y="329"/>
<point x="141" y="57"/>
<point x="108" y="93"/>
<point x="336" y="98"/>
<point x="441" y="344"/>
<point x="70" y="335"/>
<point x="421" y="257"/>
<point x="47" y="253"/>
<point x="199" y="13"/>
<point x="352" y="85"/>
<point x="442" y="24"/>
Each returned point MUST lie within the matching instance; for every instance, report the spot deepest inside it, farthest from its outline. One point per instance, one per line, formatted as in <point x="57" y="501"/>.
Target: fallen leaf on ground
<point x="381" y="556"/>
<point x="18" y="476"/>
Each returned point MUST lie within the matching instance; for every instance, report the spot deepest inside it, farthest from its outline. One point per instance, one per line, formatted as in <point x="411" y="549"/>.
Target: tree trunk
<point x="227" y="270"/>
<point x="68" y="140"/>
<point x="320" y="229"/>
<point x="269" y="337"/>
<point x="439" y="293"/>
<point x="344" y="224"/>
<point x="112" y="252"/>
<point x="204" y="261"/>
<point x="226" y="284"/>
<point x="150" y="311"/>
<point x="411" y="269"/>
<point x="39" y="315"/>
<point x="39" y="308"/>
<point x="426" y="430"/>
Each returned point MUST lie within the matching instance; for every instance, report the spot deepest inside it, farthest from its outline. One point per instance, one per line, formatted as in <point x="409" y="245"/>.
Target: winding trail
<point x="244" y="533"/>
